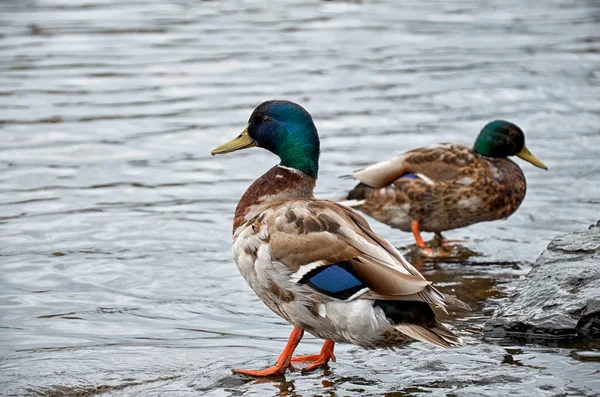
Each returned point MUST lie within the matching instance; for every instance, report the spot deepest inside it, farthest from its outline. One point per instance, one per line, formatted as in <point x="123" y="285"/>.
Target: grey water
<point x="116" y="274"/>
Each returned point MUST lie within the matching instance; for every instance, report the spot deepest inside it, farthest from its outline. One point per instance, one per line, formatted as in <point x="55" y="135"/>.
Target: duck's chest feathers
<point x="507" y="187"/>
<point x="252" y="255"/>
<point x="277" y="184"/>
<point x="269" y="278"/>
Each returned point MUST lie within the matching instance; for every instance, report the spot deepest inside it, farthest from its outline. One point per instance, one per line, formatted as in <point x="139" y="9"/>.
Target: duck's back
<point x="443" y="187"/>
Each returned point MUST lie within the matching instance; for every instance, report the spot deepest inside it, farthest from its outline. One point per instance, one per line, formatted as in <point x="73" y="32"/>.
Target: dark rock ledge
<point x="560" y="297"/>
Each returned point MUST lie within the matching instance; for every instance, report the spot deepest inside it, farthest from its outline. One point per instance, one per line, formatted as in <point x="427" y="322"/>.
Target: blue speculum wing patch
<point x="338" y="280"/>
<point x="409" y="176"/>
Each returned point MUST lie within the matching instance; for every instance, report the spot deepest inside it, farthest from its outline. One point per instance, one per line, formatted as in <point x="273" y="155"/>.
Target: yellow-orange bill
<point x="242" y="141"/>
<point x="526" y="155"/>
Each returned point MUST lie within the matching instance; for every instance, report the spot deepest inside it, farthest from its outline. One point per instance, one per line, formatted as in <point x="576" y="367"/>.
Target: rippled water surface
<point x="115" y="221"/>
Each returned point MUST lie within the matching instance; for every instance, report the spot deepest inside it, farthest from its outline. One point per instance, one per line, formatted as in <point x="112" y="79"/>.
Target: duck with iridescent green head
<point x="316" y="263"/>
<point x="447" y="186"/>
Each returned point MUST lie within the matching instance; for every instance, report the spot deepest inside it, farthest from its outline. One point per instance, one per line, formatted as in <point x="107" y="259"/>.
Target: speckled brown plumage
<point x="456" y="187"/>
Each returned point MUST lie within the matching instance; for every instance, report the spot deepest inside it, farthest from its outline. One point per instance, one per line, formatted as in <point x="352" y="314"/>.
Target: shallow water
<point x="116" y="270"/>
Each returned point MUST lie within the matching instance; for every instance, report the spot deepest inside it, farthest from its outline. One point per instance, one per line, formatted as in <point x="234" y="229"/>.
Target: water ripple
<point x="115" y="221"/>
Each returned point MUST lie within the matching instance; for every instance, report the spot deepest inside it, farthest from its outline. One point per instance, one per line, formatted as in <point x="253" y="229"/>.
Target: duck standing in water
<point x="316" y="263"/>
<point x="447" y="186"/>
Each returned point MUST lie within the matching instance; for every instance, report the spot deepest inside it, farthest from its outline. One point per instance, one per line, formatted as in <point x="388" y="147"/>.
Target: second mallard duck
<point x="447" y="186"/>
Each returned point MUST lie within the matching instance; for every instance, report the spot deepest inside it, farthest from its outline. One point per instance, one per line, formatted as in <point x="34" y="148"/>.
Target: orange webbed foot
<point x="318" y="360"/>
<point x="304" y="359"/>
<point x="283" y="362"/>
<point x="434" y="253"/>
<point x="275" y="370"/>
<point x="445" y="251"/>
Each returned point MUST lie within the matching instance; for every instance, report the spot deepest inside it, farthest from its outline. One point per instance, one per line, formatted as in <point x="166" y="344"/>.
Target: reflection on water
<point x="116" y="272"/>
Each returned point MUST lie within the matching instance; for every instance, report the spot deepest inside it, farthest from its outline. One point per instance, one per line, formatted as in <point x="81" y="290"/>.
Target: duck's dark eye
<point x="265" y="118"/>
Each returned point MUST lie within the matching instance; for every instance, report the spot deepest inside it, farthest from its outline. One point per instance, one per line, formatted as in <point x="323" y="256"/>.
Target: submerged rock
<point x="560" y="297"/>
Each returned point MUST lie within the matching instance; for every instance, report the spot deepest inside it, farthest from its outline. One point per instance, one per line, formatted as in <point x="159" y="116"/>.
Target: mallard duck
<point x="447" y="186"/>
<point x="316" y="263"/>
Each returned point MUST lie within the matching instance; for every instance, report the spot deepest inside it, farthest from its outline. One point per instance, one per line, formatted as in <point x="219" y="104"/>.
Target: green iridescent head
<point x="285" y="129"/>
<point x="501" y="138"/>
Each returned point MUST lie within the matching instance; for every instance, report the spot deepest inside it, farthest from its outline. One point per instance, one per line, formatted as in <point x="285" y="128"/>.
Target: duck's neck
<point x="279" y="183"/>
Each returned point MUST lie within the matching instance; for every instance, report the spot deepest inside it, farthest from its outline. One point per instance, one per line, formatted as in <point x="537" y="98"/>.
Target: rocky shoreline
<point x="559" y="298"/>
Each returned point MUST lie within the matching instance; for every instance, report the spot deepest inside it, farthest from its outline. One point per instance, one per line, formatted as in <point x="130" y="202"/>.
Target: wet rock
<point x="586" y="356"/>
<point x="560" y="297"/>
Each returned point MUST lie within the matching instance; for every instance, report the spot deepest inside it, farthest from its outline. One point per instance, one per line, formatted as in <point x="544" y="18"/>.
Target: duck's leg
<point x="318" y="359"/>
<point x="283" y="362"/>
<point x="446" y="244"/>
<point x="423" y="248"/>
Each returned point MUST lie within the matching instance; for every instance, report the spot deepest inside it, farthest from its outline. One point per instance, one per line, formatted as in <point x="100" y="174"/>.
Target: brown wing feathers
<point x="438" y="162"/>
<point x="332" y="249"/>
<point x="322" y="233"/>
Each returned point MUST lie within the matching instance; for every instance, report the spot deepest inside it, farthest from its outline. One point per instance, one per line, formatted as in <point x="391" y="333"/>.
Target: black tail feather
<point x="359" y="192"/>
